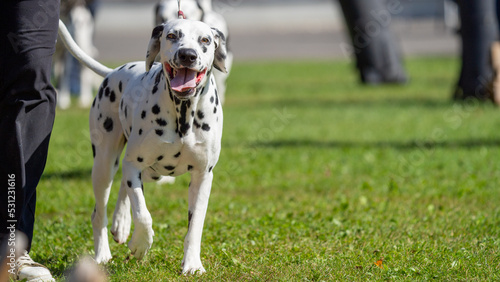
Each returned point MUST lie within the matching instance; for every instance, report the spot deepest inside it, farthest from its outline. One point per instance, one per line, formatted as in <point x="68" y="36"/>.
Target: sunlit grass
<point x="319" y="178"/>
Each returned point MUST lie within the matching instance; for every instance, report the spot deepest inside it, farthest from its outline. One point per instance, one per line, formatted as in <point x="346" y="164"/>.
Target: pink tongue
<point x="184" y="80"/>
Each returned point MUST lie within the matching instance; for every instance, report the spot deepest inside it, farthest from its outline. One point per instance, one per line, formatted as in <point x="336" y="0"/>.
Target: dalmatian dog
<point x="170" y="115"/>
<point x="200" y="10"/>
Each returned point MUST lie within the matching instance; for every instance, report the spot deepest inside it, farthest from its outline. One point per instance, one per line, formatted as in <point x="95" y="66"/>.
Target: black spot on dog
<point x="205" y="127"/>
<point x="190" y="167"/>
<point x="140" y="131"/>
<point x="108" y="124"/>
<point x="200" y="114"/>
<point x="182" y="124"/>
<point x="121" y="105"/>
<point x="93" y="103"/>
<point x="177" y="100"/>
<point x="93" y="150"/>
<point x="105" y="82"/>
<point x="212" y="99"/>
<point x="192" y="113"/>
<point x="177" y="155"/>
<point x="117" y="161"/>
<point x="157" y="81"/>
<point x="126" y="112"/>
<point x="129" y="184"/>
<point x="100" y="93"/>
<point x="139" y="159"/>
<point x="190" y="216"/>
<point x="140" y="176"/>
<point x="215" y="110"/>
<point x="159" y="158"/>
<point x="120" y="86"/>
<point x="122" y="67"/>
<point x="155" y="178"/>
<point x="112" y="96"/>
<point x="184" y="128"/>
<point x="155" y="109"/>
<point x="161" y="122"/>
<point x="210" y="169"/>
<point x="106" y="92"/>
<point x="196" y="124"/>
<point x="143" y="114"/>
<point x="132" y="66"/>
<point x="169" y="167"/>
<point x="220" y="56"/>
<point x="159" y="132"/>
<point x="170" y="93"/>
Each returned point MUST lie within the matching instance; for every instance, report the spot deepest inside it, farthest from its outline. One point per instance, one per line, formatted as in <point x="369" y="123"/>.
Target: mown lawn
<point x="319" y="179"/>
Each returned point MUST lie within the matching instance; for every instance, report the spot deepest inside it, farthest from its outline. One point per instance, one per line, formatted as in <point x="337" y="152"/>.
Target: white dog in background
<point x="81" y="23"/>
<point x="199" y="10"/>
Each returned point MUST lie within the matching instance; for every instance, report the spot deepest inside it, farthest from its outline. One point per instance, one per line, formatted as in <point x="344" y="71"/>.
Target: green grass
<point x="319" y="178"/>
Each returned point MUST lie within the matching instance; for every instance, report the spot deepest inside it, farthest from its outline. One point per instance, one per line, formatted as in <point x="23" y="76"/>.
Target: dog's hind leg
<point x="142" y="237"/>
<point x="121" y="218"/>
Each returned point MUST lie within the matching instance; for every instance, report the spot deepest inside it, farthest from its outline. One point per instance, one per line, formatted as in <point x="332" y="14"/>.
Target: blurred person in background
<point x="478" y="31"/>
<point x="377" y="54"/>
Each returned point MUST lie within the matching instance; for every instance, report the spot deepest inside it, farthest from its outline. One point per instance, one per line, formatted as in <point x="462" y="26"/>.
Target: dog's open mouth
<point x="184" y="80"/>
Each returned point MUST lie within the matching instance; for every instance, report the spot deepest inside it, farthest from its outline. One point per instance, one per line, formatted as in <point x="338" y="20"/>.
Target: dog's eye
<point x="205" y="40"/>
<point x="171" y="36"/>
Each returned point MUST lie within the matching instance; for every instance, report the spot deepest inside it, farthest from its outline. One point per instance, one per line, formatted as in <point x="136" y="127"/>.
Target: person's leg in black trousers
<point x="28" y="31"/>
<point x="377" y="55"/>
<point x="478" y="30"/>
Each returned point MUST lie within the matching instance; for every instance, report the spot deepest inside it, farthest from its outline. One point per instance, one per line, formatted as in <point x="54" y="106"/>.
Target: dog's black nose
<point x="187" y="56"/>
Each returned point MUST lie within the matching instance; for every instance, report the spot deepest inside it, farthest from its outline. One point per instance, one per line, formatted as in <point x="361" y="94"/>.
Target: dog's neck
<point x="186" y="109"/>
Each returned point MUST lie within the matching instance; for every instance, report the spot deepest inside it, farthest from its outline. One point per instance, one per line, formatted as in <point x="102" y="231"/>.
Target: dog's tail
<point x="79" y="54"/>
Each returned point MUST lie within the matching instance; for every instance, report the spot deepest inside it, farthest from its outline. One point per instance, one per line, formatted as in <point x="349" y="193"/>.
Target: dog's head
<point x="188" y="50"/>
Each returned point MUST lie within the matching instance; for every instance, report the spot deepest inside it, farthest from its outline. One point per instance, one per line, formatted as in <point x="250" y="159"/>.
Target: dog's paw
<point x="103" y="258"/>
<point x="121" y="225"/>
<point x="102" y="254"/>
<point x="141" y="241"/>
<point x="101" y="246"/>
<point x="192" y="266"/>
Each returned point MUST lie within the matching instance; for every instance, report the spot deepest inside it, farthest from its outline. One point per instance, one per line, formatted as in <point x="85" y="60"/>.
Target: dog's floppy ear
<point x="220" y="50"/>
<point x="153" y="46"/>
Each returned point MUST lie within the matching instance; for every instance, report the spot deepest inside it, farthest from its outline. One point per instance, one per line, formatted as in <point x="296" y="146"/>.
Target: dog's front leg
<point x="142" y="237"/>
<point x="199" y="193"/>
